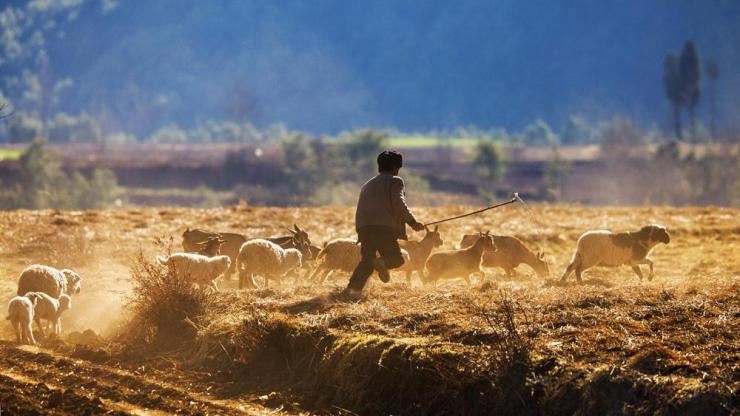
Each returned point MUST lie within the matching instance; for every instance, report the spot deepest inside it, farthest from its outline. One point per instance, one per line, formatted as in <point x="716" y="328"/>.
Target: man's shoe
<point x="349" y="295"/>
<point x="383" y="273"/>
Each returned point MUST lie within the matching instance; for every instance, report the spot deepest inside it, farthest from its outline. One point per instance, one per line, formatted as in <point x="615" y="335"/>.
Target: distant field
<point x="427" y="141"/>
<point x="10" y="154"/>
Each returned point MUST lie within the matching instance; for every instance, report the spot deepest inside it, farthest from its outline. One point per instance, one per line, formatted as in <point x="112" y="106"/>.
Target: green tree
<point x="539" y="133"/>
<point x="672" y="85"/>
<point x="41" y="178"/>
<point x="490" y="166"/>
<point x="556" y="170"/>
<point x="24" y="128"/>
<point x="66" y="128"/>
<point x="576" y="131"/>
<point x="690" y="80"/>
<point x="300" y="165"/>
<point x="711" y="67"/>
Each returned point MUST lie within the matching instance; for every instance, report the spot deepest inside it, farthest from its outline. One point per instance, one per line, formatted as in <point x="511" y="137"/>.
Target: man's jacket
<point x="382" y="202"/>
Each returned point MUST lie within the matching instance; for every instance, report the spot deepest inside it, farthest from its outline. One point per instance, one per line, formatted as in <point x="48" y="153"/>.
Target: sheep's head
<point x="211" y="247"/>
<point x="225" y="262"/>
<point x="301" y="241"/>
<point x="541" y="267"/>
<point x="293" y="259"/>
<point x="655" y="233"/>
<point x="33" y="297"/>
<point x="486" y="240"/>
<point x="434" y="236"/>
<point x="65" y="302"/>
<point x="74" y="281"/>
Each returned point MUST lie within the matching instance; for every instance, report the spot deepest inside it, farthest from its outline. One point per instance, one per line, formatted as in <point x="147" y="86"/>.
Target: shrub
<point x="165" y="310"/>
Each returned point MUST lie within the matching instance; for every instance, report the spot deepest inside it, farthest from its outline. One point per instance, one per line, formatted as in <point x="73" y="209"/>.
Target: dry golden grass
<point x="611" y="344"/>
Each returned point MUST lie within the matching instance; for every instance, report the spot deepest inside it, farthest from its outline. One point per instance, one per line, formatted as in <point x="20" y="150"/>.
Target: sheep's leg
<point x="18" y="334"/>
<point x="318" y="269"/>
<point x="568" y="271"/>
<point x="408" y="276"/>
<point x="58" y="327"/>
<point x="649" y="262"/>
<point x="467" y="279"/>
<point x="637" y="270"/>
<point x="41" y="327"/>
<point x="579" y="270"/>
<point x="29" y="333"/>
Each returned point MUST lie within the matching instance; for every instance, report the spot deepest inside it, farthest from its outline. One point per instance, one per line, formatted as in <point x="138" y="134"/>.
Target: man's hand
<point x="417" y="226"/>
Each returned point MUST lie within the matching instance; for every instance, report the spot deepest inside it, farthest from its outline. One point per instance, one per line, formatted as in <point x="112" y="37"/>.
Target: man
<point x="380" y="220"/>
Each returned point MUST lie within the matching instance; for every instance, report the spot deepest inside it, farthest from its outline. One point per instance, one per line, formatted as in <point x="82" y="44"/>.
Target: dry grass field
<point x="611" y="345"/>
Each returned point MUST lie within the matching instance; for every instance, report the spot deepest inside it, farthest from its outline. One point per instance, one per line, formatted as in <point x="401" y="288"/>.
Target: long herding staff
<point x="511" y="201"/>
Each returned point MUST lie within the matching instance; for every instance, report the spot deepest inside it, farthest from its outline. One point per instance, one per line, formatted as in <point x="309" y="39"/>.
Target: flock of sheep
<point x="44" y="292"/>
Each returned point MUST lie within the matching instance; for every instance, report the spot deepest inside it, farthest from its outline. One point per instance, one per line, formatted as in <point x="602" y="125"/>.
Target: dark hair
<point x="389" y="160"/>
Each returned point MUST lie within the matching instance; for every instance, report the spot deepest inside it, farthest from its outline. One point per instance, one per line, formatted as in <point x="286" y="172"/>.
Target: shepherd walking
<point x="380" y="220"/>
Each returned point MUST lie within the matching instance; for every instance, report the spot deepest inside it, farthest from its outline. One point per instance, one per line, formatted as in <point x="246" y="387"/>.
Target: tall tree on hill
<point x="712" y="69"/>
<point x="690" y="76"/>
<point x="672" y="84"/>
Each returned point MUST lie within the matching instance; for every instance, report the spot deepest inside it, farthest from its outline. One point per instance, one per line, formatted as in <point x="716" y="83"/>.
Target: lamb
<point x="458" y="263"/>
<point x="53" y="282"/>
<point x="419" y="252"/>
<point x="232" y="243"/>
<point x="510" y="253"/>
<point x="51" y="310"/>
<point x="197" y="268"/>
<point x="341" y="254"/>
<point x="20" y="315"/>
<point x="604" y="248"/>
<point x="261" y="257"/>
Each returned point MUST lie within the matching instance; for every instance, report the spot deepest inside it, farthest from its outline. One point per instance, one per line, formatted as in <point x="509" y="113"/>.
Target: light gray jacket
<point x="382" y="202"/>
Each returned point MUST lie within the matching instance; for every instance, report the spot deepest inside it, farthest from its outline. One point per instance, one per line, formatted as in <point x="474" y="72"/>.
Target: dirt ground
<point x="612" y="344"/>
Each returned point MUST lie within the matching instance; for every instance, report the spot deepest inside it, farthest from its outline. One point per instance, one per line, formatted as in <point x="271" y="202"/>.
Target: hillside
<point x="327" y="66"/>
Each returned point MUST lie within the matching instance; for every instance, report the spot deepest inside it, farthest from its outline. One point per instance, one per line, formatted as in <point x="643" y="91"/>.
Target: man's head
<point x="390" y="161"/>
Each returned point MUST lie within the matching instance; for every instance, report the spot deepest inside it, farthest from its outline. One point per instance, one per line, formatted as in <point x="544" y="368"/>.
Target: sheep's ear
<point x="298" y="230"/>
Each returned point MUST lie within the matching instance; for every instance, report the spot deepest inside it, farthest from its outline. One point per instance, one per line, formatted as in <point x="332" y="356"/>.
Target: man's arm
<point x="398" y="203"/>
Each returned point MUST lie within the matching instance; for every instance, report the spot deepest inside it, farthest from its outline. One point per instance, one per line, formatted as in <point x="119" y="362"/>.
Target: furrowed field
<point x="525" y="345"/>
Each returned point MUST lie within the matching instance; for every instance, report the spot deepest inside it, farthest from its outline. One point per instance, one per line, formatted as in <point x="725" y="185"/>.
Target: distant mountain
<point x="328" y="65"/>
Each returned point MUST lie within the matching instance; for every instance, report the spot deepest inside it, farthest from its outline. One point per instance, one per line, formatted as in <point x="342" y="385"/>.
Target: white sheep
<point x="261" y="257"/>
<point x="20" y="315"/>
<point x="604" y="248"/>
<point x="342" y="254"/>
<point x="196" y="268"/>
<point x="51" y="310"/>
<point x="53" y="282"/>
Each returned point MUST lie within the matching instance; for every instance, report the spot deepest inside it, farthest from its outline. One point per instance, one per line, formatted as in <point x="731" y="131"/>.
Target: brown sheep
<point x="419" y="252"/>
<point x="510" y="253"/>
<point x="458" y="263"/>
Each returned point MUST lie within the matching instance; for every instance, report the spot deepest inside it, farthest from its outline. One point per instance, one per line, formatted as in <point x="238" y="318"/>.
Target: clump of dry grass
<point x="165" y="310"/>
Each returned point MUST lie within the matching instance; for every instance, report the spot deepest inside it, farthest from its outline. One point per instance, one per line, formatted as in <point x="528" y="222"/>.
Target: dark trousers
<point x="375" y="239"/>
